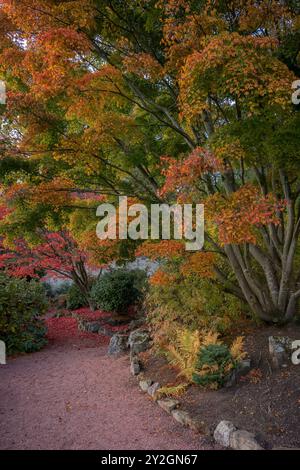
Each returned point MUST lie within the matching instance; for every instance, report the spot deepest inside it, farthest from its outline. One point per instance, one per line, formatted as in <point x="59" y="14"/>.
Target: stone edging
<point x="225" y="434"/>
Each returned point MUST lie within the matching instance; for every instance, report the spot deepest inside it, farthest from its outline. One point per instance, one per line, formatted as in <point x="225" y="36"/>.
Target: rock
<point x="244" y="440"/>
<point x="135" y="367"/>
<point x="2" y="353"/>
<point x="152" y="389"/>
<point x="145" y="384"/>
<point x="106" y="331"/>
<point x="134" y="324"/>
<point x="279" y="348"/>
<point x="168" y="404"/>
<point x="139" y="341"/>
<point x="223" y="432"/>
<point x="118" y="320"/>
<point x="181" y="417"/>
<point x="242" y="369"/>
<point x="117" y="345"/>
<point x="89" y="326"/>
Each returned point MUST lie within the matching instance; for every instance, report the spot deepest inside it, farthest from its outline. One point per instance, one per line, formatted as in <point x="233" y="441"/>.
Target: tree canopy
<point x="162" y="101"/>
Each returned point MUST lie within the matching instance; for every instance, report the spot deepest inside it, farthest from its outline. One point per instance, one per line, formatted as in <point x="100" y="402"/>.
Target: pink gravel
<point x="72" y="397"/>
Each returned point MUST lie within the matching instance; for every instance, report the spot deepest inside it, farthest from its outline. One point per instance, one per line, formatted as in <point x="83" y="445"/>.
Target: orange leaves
<point x="99" y="252"/>
<point x="45" y="14"/>
<point x="144" y="65"/>
<point x="239" y="215"/>
<point x="199" y="264"/>
<point x="232" y="66"/>
<point x="56" y="193"/>
<point x="162" y="249"/>
<point x="181" y="174"/>
<point x="161" y="278"/>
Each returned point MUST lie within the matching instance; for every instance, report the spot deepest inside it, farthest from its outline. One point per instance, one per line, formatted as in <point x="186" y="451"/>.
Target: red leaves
<point x="65" y="329"/>
<point x="180" y="175"/>
<point x="56" y="255"/>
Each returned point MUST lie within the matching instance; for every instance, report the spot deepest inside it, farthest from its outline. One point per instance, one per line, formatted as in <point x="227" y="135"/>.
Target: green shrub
<point x="214" y="363"/>
<point x="75" y="299"/>
<point x="115" y="291"/>
<point x="21" y="305"/>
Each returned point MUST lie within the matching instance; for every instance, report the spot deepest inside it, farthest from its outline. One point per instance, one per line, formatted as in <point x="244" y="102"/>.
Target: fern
<point x="172" y="391"/>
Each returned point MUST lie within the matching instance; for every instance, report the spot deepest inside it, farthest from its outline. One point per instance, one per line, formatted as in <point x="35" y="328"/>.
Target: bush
<point x="75" y="299"/>
<point x="213" y="365"/>
<point x="115" y="291"/>
<point x="193" y="303"/>
<point x="21" y="305"/>
<point x="201" y="358"/>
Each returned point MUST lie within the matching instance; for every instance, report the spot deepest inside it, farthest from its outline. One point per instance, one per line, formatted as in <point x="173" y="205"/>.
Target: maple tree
<point x="57" y="255"/>
<point x="100" y="90"/>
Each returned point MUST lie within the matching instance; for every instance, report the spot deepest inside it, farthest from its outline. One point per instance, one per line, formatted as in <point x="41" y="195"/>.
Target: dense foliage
<point x="192" y="302"/>
<point x="117" y="290"/>
<point x="75" y="298"/>
<point x="22" y="305"/>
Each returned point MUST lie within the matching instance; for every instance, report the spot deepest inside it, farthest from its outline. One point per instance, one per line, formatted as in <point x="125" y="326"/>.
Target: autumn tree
<point x="100" y="90"/>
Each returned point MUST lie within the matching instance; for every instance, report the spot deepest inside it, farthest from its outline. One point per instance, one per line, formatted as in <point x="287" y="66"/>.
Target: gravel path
<point x="68" y="397"/>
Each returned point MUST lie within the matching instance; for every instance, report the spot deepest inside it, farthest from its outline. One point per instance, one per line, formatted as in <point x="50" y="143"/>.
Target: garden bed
<point x="265" y="402"/>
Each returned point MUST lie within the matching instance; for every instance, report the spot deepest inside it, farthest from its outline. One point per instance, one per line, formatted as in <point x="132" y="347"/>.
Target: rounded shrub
<point x="75" y="298"/>
<point x="213" y="365"/>
<point x="115" y="291"/>
<point x="22" y="304"/>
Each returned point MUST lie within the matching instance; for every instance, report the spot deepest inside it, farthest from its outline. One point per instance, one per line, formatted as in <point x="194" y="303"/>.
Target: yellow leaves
<point x="232" y="151"/>
<point x="184" y="347"/>
<point x="162" y="249"/>
<point x="183" y="353"/>
<point x="172" y="390"/>
<point x="210" y="337"/>
<point x="199" y="264"/>
<point x="233" y="66"/>
<point x="237" y="349"/>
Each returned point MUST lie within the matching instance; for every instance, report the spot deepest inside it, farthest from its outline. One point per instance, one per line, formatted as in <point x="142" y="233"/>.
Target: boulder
<point x="280" y="348"/>
<point x="244" y="440"/>
<point x="117" y="345"/>
<point x="145" y="384"/>
<point x="181" y="416"/>
<point x="2" y="353"/>
<point x="136" y="323"/>
<point x="223" y="432"/>
<point x="135" y="366"/>
<point x="168" y="404"/>
<point x="152" y="389"/>
<point x="139" y="341"/>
